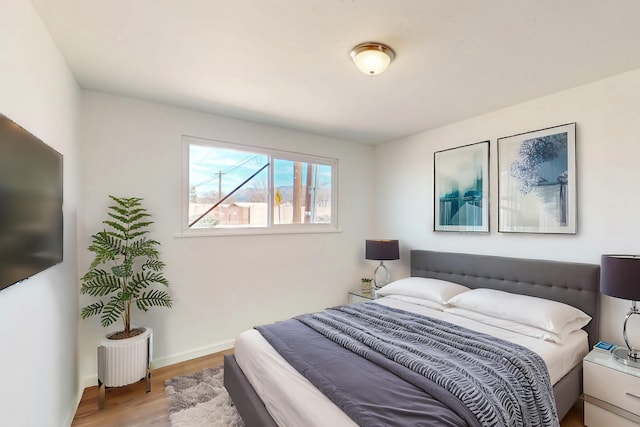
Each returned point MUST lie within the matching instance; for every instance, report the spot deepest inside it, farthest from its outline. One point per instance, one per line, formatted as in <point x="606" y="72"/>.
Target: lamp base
<point x="380" y="276"/>
<point x="621" y="354"/>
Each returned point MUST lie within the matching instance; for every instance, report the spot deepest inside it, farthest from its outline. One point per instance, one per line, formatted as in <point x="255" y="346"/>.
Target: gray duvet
<point x="387" y="367"/>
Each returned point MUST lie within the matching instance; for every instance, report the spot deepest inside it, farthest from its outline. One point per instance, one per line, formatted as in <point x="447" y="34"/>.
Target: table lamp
<point x="620" y="278"/>
<point x="381" y="250"/>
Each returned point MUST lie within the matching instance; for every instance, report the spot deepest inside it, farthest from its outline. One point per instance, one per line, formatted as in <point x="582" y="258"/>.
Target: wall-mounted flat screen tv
<point x="30" y="204"/>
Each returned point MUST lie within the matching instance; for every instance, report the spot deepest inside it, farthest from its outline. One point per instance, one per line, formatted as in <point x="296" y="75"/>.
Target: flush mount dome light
<point x="372" y="57"/>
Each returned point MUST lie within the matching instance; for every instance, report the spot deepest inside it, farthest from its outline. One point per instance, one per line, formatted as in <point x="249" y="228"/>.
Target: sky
<point x="205" y="163"/>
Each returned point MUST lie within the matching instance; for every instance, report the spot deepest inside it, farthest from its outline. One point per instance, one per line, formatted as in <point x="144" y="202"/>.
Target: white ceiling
<point x="286" y="62"/>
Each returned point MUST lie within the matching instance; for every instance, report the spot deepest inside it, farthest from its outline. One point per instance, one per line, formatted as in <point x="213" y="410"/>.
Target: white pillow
<point x="507" y="324"/>
<point x="418" y="301"/>
<point x="552" y="316"/>
<point x="435" y="290"/>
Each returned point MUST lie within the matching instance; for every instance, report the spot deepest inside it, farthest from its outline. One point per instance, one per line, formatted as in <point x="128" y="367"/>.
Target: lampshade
<point x="620" y="276"/>
<point x="372" y="57"/>
<point x="382" y="250"/>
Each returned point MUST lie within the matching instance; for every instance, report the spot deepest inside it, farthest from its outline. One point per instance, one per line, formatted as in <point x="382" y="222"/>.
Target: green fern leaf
<point x="139" y="225"/>
<point x="100" y="286"/>
<point x="143" y="247"/>
<point x="154" y="298"/>
<point x="92" y="309"/>
<point x="151" y="277"/>
<point x="93" y="273"/>
<point x="117" y="211"/>
<point x="112" y="310"/>
<point x="135" y="211"/>
<point x="121" y="228"/>
<point x="153" y="264"/>
<point x="133" y="234"/>
<point x="105" y="248"/>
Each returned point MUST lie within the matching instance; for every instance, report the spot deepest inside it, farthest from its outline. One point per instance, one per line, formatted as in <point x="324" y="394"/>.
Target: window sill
<point x="258" y="231"/>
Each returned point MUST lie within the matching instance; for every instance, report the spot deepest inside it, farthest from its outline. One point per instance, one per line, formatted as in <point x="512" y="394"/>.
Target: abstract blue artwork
<point x="537" y="181"/>
<point x="461" y="188"/>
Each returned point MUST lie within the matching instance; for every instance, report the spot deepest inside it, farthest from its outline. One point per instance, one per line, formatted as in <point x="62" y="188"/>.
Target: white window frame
<point x="270" y="228"/>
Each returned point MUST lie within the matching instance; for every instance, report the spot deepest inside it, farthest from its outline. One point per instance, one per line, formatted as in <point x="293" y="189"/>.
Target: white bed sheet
<point x="293" y="401"/>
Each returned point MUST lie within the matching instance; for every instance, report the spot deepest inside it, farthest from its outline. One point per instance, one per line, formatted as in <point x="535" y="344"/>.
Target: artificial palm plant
<point x="125" y="267"/>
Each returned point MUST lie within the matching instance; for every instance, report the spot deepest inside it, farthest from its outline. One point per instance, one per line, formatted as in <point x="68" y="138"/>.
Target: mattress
<point x="292" y="400"/>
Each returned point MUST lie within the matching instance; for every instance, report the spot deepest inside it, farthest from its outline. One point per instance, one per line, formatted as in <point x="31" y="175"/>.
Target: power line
<point x="230" y="169"/>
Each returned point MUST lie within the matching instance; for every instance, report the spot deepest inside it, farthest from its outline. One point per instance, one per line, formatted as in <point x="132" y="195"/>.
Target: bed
<point x="574" y="284"/>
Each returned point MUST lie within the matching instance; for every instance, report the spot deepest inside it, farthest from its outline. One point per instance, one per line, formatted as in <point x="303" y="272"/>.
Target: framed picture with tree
<point x="537" y="181"/>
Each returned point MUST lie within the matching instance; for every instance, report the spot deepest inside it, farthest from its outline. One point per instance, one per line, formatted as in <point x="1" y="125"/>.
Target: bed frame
<point x="575" y="284"/>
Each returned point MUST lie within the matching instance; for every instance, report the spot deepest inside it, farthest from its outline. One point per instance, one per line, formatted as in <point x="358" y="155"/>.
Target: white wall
<point x="38" y="317"/>
<point x="224" y="285"/>
<point x="608" y="149"/>
<point x="220" y="285"/>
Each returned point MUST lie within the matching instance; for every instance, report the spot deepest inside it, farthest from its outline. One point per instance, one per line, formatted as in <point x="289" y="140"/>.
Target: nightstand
<point x="356" y="297"/>
<point x="611" y="392"/>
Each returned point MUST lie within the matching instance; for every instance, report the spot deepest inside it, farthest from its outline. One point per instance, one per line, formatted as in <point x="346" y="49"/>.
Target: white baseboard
<point x="192" y="354"/>
<point x="71" y="416"/>
<point x="160" y="362"/>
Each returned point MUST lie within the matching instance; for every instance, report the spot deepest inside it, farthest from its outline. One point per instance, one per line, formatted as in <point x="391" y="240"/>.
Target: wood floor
<point x="131" y="406"/>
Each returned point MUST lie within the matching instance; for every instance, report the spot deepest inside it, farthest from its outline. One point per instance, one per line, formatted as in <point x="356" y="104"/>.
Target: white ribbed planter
<point x="123" y="362"/>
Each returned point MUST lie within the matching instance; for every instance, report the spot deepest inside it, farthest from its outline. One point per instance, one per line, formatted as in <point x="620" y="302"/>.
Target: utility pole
<point x="308" y="198"/>
<point x="297" y="192"/>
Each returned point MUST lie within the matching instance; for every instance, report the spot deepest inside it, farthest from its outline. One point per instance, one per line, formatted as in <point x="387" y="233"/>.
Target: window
<point x="235" y="188"/>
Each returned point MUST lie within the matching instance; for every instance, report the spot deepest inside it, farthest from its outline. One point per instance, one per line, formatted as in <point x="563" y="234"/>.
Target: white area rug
<point x="200" y="400"/>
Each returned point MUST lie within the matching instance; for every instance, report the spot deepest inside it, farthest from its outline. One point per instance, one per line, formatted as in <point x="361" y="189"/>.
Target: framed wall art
<point x="461" y="188"/>
<point x="537" y="181"/>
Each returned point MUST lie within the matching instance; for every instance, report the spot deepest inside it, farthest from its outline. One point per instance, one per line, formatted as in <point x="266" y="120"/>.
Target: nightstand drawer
<point x="594" y="416"/>
<point x="612" y="386"/>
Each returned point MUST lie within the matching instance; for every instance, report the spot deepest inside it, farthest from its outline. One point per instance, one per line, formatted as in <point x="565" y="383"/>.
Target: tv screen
<point x="30" y="204"/>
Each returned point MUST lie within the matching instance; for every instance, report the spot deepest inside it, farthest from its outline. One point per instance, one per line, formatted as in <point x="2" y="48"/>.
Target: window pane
<point x="302" y="192"/>
<point x="227" y="188"/>
<point x="237" y="188"/>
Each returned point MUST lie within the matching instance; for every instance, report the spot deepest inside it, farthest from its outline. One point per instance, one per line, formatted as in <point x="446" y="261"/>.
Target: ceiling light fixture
<point x="372" y="57"/>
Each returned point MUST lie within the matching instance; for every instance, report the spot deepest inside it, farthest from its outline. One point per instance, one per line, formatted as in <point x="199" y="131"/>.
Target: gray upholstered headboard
<point x="572" y="283"/>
